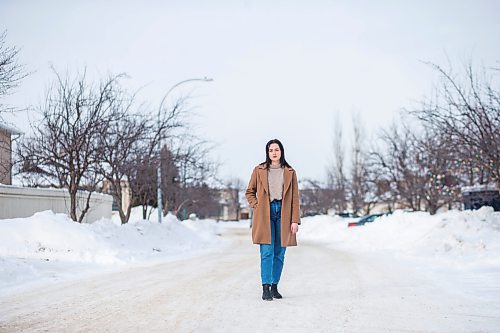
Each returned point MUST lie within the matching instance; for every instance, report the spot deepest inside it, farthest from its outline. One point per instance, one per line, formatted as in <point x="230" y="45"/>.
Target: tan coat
<point x="257" y="195"/>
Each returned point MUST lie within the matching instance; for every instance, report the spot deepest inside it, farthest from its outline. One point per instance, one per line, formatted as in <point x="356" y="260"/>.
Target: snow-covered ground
<point x="403" y="272"/>
<point x="459" y="248"/>
<point x="50" y="247"/>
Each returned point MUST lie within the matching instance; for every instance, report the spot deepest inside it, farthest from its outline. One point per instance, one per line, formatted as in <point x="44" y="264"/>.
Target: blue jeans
<point x="272" y="256"/>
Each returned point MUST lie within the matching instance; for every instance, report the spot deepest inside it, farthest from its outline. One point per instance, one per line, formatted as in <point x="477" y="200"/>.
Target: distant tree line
<point x="422" y="160"/>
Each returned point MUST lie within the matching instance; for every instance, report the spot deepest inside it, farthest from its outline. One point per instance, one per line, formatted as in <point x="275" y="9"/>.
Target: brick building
<point x="6" y="134"/>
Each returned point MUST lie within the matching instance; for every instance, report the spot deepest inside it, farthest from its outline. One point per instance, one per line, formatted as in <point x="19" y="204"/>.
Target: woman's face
<point x="274" y="153"/>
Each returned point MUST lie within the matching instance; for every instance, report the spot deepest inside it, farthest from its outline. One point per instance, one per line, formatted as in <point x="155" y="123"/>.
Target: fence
<point x="25" y="201"/>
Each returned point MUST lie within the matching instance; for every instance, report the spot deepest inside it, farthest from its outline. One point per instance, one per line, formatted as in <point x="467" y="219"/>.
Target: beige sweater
<point x="275" y="179"/>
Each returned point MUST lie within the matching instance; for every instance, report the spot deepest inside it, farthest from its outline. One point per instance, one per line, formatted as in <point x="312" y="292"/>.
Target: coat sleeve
<point x="295" y="200"/>
<point x="251" y="191"/>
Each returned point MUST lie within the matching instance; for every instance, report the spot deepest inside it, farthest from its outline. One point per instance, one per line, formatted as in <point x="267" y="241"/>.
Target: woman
<point x="274" y="195"/>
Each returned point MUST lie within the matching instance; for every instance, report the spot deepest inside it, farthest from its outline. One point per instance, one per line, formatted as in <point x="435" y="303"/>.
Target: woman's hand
<point x="294" y="228"/>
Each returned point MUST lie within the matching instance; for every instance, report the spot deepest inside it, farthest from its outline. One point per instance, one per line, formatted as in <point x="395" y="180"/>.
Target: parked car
<point x="365" y="219"/>
<point x="347" y="214"/>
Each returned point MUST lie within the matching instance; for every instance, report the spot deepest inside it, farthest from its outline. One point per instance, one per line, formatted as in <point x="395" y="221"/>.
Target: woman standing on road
<point x="274" y="195"/>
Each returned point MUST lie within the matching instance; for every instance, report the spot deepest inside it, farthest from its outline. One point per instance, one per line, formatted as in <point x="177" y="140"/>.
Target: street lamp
<point x="160" y="197"/>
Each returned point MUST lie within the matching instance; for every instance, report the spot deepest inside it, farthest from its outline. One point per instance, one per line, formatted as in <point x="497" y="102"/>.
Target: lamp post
<point x="160" y="197"/>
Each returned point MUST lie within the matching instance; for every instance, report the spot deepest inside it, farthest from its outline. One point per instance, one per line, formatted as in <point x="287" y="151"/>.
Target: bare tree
<point x="186" y="169"/>
<point x="435" y="159"/>
<point x="466" y="108"/>
<point x="201" y="199"/>
<point x="416" y="168"/>
<point x="359" y="172"/>
<point x="398" y="168"/>
<point x="337" y="181"/>
<point x="121" y="144"/>
<point x="192" y="159"/>
<point x="11" y="72"/>
<point x="171" y="181"/>
<point x="143" y="183"/>
<point x="315" y="198"/>
<point x="64" y="148"/>
<point x="162" y="128"/>
<point x="197" y="175"/>
<point x="232" y="189"/>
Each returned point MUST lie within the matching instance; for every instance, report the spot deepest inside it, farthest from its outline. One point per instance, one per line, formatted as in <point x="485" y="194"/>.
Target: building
<point x="6" y="134"/>
<point x="229" y="205"/>
<point x="475" y="197"/>
<point x="18" y="202"/>
<point x="126" y="194"/>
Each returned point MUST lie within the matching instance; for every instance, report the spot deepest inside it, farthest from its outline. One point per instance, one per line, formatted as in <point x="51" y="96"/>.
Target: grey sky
<point x="282" y="69"/>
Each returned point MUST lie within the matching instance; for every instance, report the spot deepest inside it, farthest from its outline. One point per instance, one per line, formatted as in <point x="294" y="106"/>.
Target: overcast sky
<point x="281" y="69"/>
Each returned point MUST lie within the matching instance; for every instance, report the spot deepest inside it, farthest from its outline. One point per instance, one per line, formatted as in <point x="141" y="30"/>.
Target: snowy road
<point x="324" y="291"/>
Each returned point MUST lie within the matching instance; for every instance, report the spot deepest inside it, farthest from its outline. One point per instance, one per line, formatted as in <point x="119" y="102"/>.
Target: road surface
<point x="324" y="290"/>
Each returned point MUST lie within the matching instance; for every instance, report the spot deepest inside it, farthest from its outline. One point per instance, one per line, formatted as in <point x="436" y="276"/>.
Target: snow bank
<point x="49" y="244"/>
<point x="50" y="236"/>
<point x="452" y="234"/>
<point x="459" y="250"/>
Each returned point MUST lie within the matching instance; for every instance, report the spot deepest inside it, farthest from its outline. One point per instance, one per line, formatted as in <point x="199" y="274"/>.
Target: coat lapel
<point x="263" y="179"/>
<point x="287" y="180"/>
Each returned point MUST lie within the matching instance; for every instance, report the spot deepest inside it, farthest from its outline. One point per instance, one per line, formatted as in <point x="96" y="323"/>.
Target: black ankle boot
<point x="266" y="292"/>
<point x="274" y="291"/>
